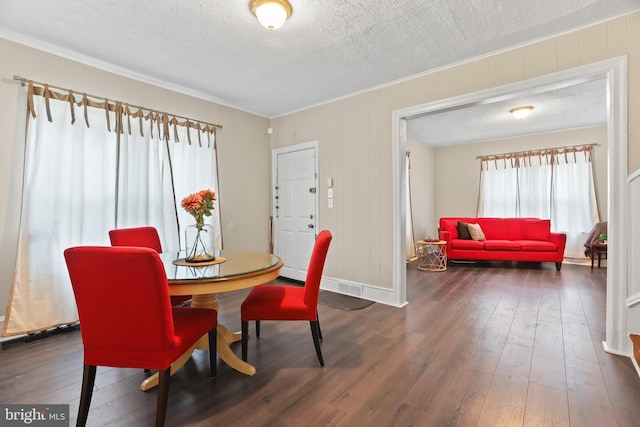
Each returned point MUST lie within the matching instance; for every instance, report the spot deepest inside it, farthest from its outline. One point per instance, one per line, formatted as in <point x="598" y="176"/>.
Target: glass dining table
<point x="230" y="271"/>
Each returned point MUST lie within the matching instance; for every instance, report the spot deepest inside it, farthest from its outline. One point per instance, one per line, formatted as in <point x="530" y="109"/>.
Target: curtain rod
<point x="539" y="150"/>
<point x="24" y="81"/>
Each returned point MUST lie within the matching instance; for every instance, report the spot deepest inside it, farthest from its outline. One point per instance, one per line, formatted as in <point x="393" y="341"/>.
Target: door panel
<point x="295" y="213"/>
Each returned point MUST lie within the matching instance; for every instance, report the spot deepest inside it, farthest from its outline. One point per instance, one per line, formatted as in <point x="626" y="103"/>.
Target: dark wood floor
<point x="484" y="345"/>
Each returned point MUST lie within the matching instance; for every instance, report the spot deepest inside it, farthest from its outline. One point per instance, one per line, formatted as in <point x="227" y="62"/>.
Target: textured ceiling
<point x="573" y="106"/>
<point x="328" y="49"/>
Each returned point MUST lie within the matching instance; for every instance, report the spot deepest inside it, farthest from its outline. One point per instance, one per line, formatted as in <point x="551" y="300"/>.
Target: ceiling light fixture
<point x="521" y="112"/>
<point x="272" y="14"/>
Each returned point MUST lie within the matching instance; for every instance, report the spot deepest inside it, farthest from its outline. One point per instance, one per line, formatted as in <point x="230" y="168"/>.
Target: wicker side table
<point x="432" y="255"/>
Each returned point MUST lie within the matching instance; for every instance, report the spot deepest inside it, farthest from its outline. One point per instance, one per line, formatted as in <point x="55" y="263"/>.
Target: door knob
<point x="310" y="225"/>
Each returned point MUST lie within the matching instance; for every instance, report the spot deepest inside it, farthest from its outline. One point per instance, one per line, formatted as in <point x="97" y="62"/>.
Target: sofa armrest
<point x="559" y="239"/>
<point x="446" y="236"/>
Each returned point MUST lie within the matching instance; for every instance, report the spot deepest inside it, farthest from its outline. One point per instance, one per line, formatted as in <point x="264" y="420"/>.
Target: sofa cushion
<point x="537" y="246"/>
<point x="493" y="228"/>
<point x="501" y="245"/>
<point x="467" y="245"/>
<point x="463" y="231"/>
<point x="476" y="232"/>
<point x="451" y="225"/>
<point x="535" y="229"/>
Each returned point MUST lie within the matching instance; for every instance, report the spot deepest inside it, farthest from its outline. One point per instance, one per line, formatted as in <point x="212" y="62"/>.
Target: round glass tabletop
<point x="237" y="263"/>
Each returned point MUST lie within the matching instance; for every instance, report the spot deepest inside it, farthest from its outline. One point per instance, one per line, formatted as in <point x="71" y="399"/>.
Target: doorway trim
<point x="614" y="71"/>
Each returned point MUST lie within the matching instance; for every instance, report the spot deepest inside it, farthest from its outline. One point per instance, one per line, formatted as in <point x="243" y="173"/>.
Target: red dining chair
<point x="146" y="237"/>
<point x="271" y="302"/>
<point x="141" y="330"/>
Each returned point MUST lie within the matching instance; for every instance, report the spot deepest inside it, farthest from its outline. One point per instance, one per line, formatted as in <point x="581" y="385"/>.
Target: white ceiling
<point x="576" y="105"/>
<point x="328" y="49"/>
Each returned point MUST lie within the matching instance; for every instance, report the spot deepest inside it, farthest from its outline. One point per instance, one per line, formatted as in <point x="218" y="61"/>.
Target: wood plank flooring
<point x="496" y="344"/>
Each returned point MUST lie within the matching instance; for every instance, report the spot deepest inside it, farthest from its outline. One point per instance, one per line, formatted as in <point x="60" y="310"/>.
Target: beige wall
<point x="350" y="133"/>
<point x="423" y="188"/>
<point x="459" y="167"/>
<point x="355" y="140"/>
<point x="243" y="146"/>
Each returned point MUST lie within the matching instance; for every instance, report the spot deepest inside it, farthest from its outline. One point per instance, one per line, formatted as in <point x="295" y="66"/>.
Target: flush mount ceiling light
<point x="521" y="112"/>
<point x="272" y="14"/>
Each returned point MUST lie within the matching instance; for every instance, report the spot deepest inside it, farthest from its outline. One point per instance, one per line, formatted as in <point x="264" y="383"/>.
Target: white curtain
<point x="574" y="208"/>
<point x="410" y="240"/>
<point x="556" y="184"/>
<point x="534" y="187"/>
<point x="195" y="157"/>
<point x="68" y="199"/>
<point x="145" y="194"/>
<point x="82" y="181"/>
<point x="498" y="194"/>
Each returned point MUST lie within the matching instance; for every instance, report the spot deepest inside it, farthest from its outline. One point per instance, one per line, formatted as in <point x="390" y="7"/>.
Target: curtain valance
<point x="546" y="156"/>
<point x="161" y="121"/>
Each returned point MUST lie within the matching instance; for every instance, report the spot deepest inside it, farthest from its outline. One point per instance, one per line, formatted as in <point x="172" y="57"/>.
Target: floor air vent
<point x="347" y="289"/>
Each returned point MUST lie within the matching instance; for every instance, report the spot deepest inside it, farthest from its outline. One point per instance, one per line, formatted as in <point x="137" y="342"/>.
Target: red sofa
<point x="507" y="239"/>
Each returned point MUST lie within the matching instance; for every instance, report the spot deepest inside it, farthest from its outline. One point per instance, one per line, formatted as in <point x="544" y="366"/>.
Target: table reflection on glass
<point x="240" y="270"/>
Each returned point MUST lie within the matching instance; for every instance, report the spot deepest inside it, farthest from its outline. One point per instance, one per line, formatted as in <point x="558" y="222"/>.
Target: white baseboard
<point x="619" y="353"/>
<point x="633" y="300"/>
<point x="3" y="339"/>
<point x="616" y="352"/>
<point x="633" y="357"/>
<point x="635" y="363"/>
<point x="360" y="290"/>
<point x="10" y="338"/>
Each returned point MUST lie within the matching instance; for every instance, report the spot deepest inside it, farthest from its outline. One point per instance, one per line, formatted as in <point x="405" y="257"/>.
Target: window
<point x="117" y="167"/>
<point x="555" y="184"/>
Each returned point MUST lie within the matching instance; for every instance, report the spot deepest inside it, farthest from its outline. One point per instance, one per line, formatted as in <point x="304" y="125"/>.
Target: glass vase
<point x="198" y="243"/>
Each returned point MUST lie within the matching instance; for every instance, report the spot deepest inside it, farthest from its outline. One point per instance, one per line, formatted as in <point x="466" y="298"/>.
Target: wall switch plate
<point x="330" y="203"/>
<point x="330" y="193"/>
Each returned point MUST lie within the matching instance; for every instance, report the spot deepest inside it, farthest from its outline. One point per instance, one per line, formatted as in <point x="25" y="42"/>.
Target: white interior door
<point x="295" y="201"/>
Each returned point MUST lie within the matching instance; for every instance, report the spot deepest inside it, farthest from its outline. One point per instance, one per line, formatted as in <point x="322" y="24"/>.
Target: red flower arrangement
<point x="199" y="205"/>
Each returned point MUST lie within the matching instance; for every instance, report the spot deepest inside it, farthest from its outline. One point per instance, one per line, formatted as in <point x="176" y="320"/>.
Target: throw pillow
<point x="476" y="232"/>
<point x="463" y="231"/>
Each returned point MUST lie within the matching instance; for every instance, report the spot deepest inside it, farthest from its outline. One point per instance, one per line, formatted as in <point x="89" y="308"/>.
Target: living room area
<point x="437" y="193"/>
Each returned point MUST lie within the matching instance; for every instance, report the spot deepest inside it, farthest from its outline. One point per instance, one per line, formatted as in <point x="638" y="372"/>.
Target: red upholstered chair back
<point x="316" y="265"/>
<point x="123" y="305"/>
<point x="146" y="237"/>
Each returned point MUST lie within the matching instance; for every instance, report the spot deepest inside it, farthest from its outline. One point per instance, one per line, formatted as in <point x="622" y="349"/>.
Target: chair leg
<point x="316" y="340"/>
<point x="319" y="330"/>
<point x="163" y="396"/>
<point x="257" y="329"/>
<point x="213" y="352"/>
<point x="88" y="379"/>
<point x="245" y="339"/>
